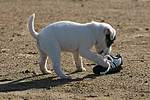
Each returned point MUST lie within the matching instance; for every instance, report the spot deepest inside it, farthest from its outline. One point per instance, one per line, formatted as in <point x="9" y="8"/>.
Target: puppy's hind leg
<point x="55" y="56"/>
<point x="78" y="62"/>
<point x="43" y="62"/>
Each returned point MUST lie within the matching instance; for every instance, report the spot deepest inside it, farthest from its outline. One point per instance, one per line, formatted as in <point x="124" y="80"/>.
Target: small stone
<point x="107" y="95"/>
<point x="103" y="20"/>
<point x="146" y="81"/>
<point x="131" y="76"/>
<point x="2" y="28"/>
<point x="48" y="88"/>
<point x="32" y="53"/>
<point x="33" y="72"/>
<point x="17" y="65"/>
<point x="146" y="29"/>
<point x="142" y="95"/>
<point x="36" y="62"/>
<point x="4" y="50"/>
<point x="27" y="71"/>
<point x="11" y="39"/>
<point x="82" y="5"/>
<point x="18" y="34"/>
<point x="92" y="96"/>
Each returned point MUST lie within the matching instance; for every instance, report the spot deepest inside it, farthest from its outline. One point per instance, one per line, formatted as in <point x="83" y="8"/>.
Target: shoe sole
<point x="98" y="68"/>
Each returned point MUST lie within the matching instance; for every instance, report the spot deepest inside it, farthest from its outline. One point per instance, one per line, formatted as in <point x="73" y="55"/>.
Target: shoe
<point x="115" y="65"/>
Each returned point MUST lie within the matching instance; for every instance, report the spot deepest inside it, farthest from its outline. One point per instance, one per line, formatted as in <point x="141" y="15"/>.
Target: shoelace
<point x="111" y="63"/>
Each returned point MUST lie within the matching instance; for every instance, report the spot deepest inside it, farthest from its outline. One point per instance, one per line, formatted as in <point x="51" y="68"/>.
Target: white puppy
<point x="72" y="37"/>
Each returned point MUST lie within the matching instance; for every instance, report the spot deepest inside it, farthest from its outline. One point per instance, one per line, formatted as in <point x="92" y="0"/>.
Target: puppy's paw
<point x="81" y="69"/>
<point x="46" y="72"/>
<point x="66" y="77"/>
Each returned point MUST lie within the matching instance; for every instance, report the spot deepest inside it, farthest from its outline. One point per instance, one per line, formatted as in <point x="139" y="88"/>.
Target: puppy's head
<point x="103" y="46"/>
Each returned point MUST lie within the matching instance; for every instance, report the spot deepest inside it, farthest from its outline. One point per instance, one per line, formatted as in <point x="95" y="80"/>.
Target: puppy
<point x="72" y="37"/>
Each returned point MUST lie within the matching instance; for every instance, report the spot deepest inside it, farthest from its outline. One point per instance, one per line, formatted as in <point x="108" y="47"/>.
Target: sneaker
<point x="116" y="64"/>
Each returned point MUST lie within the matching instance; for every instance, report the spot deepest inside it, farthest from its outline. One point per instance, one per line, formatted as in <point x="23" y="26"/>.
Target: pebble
<point x="48" y="88"/>
<point x="5" y="50"/>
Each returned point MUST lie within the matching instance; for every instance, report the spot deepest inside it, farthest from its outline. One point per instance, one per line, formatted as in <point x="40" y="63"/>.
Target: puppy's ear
<point x="110" y="33"/>
<point x="107" y="31"/>
<point x="113" y="35"/>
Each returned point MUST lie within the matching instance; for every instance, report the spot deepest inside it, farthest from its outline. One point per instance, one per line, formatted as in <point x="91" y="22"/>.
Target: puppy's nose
<point x="101" y="52"/>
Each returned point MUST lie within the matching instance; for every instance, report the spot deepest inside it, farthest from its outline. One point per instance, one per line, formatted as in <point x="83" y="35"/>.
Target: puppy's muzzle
<point x="102" y="53"/>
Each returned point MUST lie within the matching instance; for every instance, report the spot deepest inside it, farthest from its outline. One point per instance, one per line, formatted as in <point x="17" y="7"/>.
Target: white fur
<point x="71" y="37"/>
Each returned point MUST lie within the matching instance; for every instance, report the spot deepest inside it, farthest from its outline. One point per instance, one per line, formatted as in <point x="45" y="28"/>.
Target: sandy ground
<point x="20" y="76"/>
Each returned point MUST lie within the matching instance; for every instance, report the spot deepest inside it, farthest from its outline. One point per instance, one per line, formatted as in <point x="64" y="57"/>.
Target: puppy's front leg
<point x="78" y="62"/>
<point x="91" y="56"/>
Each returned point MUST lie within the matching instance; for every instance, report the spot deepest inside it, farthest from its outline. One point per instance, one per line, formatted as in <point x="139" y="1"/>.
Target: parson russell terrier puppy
<point x="72" y="37"/>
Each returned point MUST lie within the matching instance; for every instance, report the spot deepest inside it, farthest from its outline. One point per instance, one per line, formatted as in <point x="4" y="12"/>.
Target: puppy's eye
<point x="109" y="42"/>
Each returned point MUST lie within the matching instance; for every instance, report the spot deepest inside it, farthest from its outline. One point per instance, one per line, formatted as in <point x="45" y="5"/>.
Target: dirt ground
<point x="20" y="76"/>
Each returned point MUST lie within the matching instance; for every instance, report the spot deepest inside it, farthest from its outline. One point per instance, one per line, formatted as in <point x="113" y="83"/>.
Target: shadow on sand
<point x="21" y="84"/>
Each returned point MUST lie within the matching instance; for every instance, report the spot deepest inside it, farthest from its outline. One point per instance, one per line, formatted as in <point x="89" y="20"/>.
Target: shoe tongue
<point x="117" y="61"/>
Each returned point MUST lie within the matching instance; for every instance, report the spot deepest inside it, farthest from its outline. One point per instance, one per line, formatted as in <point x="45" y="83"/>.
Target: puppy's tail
<point x="32" y="32"/>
